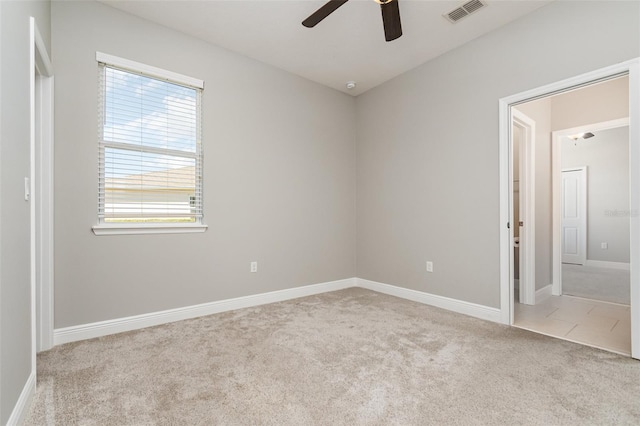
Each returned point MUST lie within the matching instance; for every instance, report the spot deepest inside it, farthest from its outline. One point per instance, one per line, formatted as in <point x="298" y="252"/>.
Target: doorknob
<point x="521" y="223"/>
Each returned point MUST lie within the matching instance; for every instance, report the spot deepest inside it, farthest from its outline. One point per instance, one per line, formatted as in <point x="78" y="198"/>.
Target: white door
<point x="574" y="216"/>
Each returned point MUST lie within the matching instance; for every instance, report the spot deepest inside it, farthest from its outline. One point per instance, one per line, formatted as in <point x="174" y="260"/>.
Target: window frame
<point x="128" y="228"/>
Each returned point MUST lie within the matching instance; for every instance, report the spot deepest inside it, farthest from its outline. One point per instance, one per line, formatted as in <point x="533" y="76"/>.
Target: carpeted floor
<point x="350" y="357"/>
<point x="608" y="285"/>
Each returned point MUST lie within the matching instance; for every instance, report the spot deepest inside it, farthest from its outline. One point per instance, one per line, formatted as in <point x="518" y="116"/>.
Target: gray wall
<point x="427" y="147"/>
<point x="279" y="177"/>
<point x="15" y="311"/>
<point x="606" y="156"/>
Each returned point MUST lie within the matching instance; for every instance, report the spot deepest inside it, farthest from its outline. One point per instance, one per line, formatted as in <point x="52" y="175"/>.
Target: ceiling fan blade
<point x="391" y="20"/>
<point x="323" y="12"/>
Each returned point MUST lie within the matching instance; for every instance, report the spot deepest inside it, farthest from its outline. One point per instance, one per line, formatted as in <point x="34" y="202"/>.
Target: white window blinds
<point x="150" y="161"/>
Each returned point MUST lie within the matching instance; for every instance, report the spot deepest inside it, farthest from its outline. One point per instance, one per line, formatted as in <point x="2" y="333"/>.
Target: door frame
<point x="556" y="183"/>
<point x="41" y="190"/>
<point x="630" y="68"/>
<point x="528" y="207"/>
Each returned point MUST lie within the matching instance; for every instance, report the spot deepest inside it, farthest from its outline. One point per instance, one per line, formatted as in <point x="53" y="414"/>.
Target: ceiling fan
<point x="390" y="16"/>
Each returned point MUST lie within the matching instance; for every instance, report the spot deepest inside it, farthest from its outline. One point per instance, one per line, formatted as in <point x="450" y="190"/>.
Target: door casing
<point x="41" y="189"/>
<point x="527" y="207"/>
<point x="630" y="68"/>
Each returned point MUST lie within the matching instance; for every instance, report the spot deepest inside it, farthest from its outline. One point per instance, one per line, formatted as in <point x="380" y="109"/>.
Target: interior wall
<point x="606" y="156"/>
<point x="15" y="113"/>
<point x="428" y="169"/>
<point x="279" y="179"/>
<point x="597" y="103"/>
<point x="540" y="112"/>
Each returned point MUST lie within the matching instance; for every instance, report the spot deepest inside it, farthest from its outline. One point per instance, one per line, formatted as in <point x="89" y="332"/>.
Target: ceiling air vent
<point x="464" y="10"/>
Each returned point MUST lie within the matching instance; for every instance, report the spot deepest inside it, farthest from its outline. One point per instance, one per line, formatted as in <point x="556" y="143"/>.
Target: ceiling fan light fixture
<point x="576" y="136"/>
<point x="584" y="135"/>
<point x="390" y="16"/>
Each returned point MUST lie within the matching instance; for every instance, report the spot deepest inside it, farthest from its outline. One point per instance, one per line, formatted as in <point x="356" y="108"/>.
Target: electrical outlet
<point x="254" y="266"/>
<point x="429" y="266"/>
<point x="604" y="246"/>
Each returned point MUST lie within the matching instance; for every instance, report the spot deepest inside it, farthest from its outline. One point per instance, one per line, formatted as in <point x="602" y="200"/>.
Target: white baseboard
<point x="119" y="325"/>
<point x="455" y="305"/>
<point x="21" y="409"/>
<point x="606" y="264"/>
<point x="543" y="293"/>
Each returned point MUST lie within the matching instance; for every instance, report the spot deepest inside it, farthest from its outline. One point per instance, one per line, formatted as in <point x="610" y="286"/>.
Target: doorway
<point x="606" y="245"/>
<point x="590" y="185"/>
<point x="605" y="248"/>
<point x="545" y="278"/>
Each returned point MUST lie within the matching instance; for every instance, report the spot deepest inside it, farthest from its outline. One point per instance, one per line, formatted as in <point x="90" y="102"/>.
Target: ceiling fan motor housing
<point x="390" y="16"/>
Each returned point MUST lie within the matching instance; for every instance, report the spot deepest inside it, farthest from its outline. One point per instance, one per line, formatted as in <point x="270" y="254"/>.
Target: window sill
<point x="154" y="228"/>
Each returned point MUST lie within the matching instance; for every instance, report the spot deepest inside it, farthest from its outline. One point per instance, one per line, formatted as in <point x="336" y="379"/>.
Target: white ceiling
<point x="347" y="45"/>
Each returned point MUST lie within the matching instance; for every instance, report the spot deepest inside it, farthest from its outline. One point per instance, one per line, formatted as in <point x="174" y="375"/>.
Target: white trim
<point x="606" y="264"/>
<point x="556" y="192"/>
<point x="506" y="212"/>
<point x="634" y="202"/>
<point x="556" y="212"/>
<point x="454" y="305"/>
<point x="119" y="325"/>
<point x="104" y="328"/>
<point x="543" y="293"/>
<point x="600" y="126"/>
<point x="527" y="164"/>
<point x="41" y="204"/>
<point x="32" y="199"/>
<point x="21" y="409"/>
<point x="632" y="67"/>
<point x="149" y="70"/>
<point x="143" y="228"/>
<point x="42" y="61"/>
<point x="1" y="222"/>
<point x="45" y="215"/>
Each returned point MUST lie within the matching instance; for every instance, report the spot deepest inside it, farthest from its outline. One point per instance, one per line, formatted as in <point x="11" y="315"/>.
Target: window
<point x="150" y="152"/>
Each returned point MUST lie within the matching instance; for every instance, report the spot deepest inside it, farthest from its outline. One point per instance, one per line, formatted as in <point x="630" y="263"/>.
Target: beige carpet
<point x="590" y="282"/>
<point x="351" y="357"/>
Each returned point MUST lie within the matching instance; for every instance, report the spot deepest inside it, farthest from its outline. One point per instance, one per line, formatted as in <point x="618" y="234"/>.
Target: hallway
<point x="591" y="322"/>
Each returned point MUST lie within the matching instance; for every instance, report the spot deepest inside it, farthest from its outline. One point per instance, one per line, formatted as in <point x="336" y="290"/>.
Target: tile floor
<point x="603" y="325"/>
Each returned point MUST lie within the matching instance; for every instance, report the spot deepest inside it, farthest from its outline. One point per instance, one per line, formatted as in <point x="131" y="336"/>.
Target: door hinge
<point x="521" y="223"/>
<point x="508" y="225"/>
